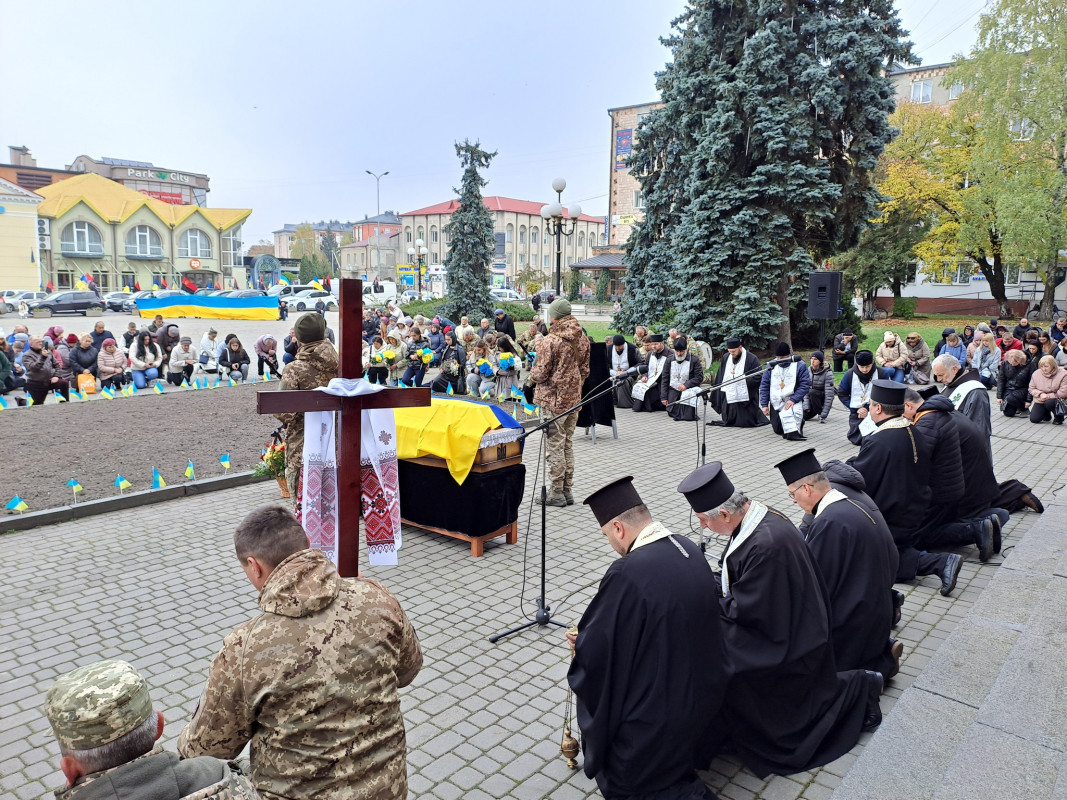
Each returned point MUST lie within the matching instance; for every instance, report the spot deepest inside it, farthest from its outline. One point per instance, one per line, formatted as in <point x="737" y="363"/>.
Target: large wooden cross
<point x="350" y="340"/>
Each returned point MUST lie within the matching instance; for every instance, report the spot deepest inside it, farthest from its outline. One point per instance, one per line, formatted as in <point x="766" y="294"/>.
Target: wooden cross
<point x="350" y="339"/>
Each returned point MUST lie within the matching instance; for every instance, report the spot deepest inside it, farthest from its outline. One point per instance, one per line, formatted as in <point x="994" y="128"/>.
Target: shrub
<point x="904" y="307"/>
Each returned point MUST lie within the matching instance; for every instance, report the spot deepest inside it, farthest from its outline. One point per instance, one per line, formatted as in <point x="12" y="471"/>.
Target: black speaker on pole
<point x="824" y="294"/>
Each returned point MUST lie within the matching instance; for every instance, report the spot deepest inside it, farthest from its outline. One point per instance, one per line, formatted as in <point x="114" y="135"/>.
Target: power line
<point x="967" y="19"/>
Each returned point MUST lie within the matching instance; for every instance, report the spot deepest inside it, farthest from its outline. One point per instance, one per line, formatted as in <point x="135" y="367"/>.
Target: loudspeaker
<point x="824" y="294"/>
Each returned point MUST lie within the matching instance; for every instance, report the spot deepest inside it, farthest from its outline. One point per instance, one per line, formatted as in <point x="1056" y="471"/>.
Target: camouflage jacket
<point x="315" y="365"/>
<point x="312" y="683"/>
<point x="158" y="775"/>
<point x="561" y="366"/>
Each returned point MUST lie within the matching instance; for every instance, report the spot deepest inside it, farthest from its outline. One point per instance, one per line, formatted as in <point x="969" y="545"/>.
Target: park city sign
<point x="163" y="176"/>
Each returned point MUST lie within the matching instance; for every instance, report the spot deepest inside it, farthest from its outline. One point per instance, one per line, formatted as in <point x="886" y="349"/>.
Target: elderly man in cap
<point x="503" y="323"/>
<point x="895" y="463"/>
<point x="854" y="392"/>
<point x="648" y="669"/>
<point x="845" y="346"/>
<point x="738" y="377"/>
<point x="103" y="720"/>
<point x="787" y="707"/>
<point x="311" y="684"/>
<point x="966" y="391"/>
<point x="858" y="560"/>
<point x="785" y="383"/>
<point x="681" y="373"/>
<point x="315" y="365"/>
<point x="558" y="372"/>
<point x="621" y="357"/>
<point x="645" y="391"/>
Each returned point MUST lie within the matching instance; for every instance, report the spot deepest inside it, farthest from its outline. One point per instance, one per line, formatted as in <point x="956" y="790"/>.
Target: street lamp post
<point x="421" y="254"/>
<point x="378" y="213"/>
<point x="556" y="223"/>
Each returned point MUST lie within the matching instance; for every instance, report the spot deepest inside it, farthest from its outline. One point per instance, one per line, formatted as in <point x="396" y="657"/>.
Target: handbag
<point x="204" y="358"/>
<point x="86" y="384"/>
<point x="1061" y="408"/>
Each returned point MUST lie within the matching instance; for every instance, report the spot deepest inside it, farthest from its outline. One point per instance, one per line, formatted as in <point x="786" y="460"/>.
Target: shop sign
<point x="147" y="174"/>
<point x="194" y="263"/>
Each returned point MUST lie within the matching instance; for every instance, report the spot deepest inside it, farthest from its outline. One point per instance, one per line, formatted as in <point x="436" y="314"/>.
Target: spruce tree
<point x="758" y="165"/>
<point x="470" y="233"/>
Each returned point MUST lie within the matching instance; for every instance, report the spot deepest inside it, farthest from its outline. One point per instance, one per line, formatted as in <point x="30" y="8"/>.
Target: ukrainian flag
<point x="158" y="388"/>
<point x="224" y="459"/>
<point x="284" y="281"/>
<point x="157" y="479"/>
<point x="190" y="473"/>
<point x="122" y="483"/>
<point x="73" y="484"/>
<point x="17" y="504"/>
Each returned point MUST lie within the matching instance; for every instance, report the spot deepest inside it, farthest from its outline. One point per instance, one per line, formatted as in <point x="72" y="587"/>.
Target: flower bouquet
<point x="272" y="464"/>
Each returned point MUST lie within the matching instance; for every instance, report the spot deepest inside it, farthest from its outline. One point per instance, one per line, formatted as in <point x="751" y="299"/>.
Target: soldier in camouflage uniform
<point x="560" y="369"/>
<point x="313" y="681"/>
<point x="315" y="365"/>
<point x="102" y="718"/>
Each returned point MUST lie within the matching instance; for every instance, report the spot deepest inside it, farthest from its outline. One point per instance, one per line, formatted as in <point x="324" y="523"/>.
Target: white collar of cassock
<point x="828" y="499"/>
<point x="653" y="532"/>
<point x="753" y="517"/>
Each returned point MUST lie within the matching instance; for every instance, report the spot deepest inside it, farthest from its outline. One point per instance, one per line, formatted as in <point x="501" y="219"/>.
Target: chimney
<point x="20" y="156"/>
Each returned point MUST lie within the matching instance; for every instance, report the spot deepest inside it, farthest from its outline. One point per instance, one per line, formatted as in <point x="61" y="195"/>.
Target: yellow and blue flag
<point x="3" y="402"/>
<point x="486" y="395"/>
<point x="516" y="394"/>
<point x="190" y="473"/>
<point x="122" y="483"/>
<point x="224" y="459"/>
<point x="533" y="411"/>
<point x="185" y="384"/>
<point x="401" y="384"/>
<point x="318" y="285"/>
<point x="76" y="394"/>
<point x="157" y="479"/>
<point x="107" y="392"/>
<point x="29" y="402"/>
<point x="284" y="281"/>
<point x="158" y="388"/>
<point x="59" y="398"/>
<point x="449" y="390"/>
<point x="17" y="504"/>
<point x="73" y="484"/>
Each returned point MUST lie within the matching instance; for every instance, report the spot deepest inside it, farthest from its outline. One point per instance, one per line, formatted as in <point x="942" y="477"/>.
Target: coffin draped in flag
<point x="380" y="498"/>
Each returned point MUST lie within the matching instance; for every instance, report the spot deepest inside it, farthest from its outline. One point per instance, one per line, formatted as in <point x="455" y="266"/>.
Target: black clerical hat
<point x="799" y="466"/>
<point x="618" y="339"/>
<point x="864" y="358"/>
<point x="609" y="501"/>
<point x="733" y="343"/>
<point x="888" y="393"/>
<point x="928" y="392"/>
<point x="707" y="487"/>
<point x="654" y="337"/>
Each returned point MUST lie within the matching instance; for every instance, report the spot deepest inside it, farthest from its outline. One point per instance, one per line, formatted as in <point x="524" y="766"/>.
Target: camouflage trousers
<point x="292" y="478"/>
<point x="559" y="453"/>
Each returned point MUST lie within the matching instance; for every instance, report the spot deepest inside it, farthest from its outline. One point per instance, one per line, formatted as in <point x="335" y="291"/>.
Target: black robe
<point x="858" y="560"/>
<point x="672" y="395"/>
<point x="651" y="400"/>
<point x="787" y="707"/>
<point x="648" y="670"/>
<point x="740" y="415"/>
<point x="601" y="411"/>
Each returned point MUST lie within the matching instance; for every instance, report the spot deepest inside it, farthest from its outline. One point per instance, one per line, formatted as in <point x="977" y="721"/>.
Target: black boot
<point x="898" y="601"/>
<point x="950" y="573"/>
<point x="873" y="717"/>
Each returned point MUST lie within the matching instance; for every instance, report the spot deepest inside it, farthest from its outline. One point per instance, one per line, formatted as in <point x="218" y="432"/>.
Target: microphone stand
<point x="543" y="615"/>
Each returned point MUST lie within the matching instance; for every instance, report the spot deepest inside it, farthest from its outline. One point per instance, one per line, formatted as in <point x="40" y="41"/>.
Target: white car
<point x="10" y="298"/>
<point x="308" y="298"/>
<point x="506" y="295"/>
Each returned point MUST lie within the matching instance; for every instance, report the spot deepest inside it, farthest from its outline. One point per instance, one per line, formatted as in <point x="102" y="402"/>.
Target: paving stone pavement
<point x="160" y="586"/>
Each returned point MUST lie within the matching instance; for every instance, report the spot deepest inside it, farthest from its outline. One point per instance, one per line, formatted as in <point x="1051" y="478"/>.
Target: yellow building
<point x="18" y="237"/>
<point x="122" y="237"/>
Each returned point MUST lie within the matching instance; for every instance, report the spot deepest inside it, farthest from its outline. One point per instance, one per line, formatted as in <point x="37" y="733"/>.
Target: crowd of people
<point x="35" y="366"/>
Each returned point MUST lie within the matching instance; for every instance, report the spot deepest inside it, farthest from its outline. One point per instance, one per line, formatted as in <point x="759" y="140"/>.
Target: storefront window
<point x="143" y="242"/>
<point x="231" y="247"/>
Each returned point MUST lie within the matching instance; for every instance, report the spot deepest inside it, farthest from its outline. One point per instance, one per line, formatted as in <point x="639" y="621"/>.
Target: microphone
<point x="781" y="362"/>
<point x="640" y="369"/>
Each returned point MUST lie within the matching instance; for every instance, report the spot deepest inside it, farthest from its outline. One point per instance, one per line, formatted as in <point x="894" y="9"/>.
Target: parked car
<point x="308" y="299"/>
<point x="248" y="293"/>
<point x="129" y="305"/>
<point x="76" y="302"/>
<point x="114" y="300"/>
<point x="12" y="297"/>
<point x="408" y="295"/>
<point x="281" y="290"/>
<point x="506" y="295"/>
<point x="206" y="291"/>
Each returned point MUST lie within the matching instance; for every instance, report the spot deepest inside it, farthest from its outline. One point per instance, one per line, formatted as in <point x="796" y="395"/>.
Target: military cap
<point x="610" y="501"/>
<point x="559" y="308"/>
<point x="97" y="704"/>
<point x="707" y="487"/>
<point x="799" y="466"/>
<point x="310" y="328"/>
<point x="889" y="393"/>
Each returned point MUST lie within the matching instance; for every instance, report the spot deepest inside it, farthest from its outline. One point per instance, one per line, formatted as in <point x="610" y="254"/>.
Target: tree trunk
<point x="994" y="276"/>
<point x="784" y="332"/>
<point x="1048" y="296"/>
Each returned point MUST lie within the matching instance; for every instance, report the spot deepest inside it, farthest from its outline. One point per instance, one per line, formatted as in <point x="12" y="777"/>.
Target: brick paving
<point x="160" y="587"/>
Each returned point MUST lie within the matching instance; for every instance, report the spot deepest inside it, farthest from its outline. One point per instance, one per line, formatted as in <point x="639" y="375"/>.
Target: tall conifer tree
<point x="757" y="167"/>
<point x="470" y="232"/>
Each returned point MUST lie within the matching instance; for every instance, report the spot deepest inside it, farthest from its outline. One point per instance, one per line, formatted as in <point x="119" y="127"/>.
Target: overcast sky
<point x="284" y="105"/>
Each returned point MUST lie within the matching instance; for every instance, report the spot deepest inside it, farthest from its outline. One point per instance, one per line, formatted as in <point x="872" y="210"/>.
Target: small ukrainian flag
<point x="157" y="479"/>
<point x="190" y="473"/>
<point x="17" y="504"/>
<point x="224" y="459"/>
<point x="185" y="384"/>
<point x="73" y="484"/>
<point x="122" y="483"/>
<point x="486" y="395"/>
<point x="449" y="390"/>
<point x="59" y="398"/>
<point x="3" y="402"/>
<point x="76" y="394"/>
<point x="158" y="388"/>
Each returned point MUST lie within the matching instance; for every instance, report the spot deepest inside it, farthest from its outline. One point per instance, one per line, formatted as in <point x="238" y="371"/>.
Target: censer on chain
<point x="568" y="746"/>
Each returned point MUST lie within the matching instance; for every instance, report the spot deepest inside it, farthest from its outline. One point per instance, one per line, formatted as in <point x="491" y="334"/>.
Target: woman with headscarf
<point x="398" y="361"/>
<point x="967" y="336"/>
<point x="42" y="369"/>
<point x="146" y="360"/>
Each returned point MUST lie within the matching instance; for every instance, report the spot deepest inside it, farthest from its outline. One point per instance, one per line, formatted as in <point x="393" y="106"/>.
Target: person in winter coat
<point x="99" y="333"/>
<point x="398" y="363"/>
<point x="480" y="377"/>
<point x="266" y="349"/>
<point x="1061" y="352"/>
<point x="129" y="337"/>
<point x="917" y="352"/>
<point x="167" y="337"/>
<point x="234" y="361"/>
<point x="942" y="341"/>
<point x="145" y="360"/>
<point x="111" y="366"/>
<point x="182" y="362"/>
<point x="8" y="380"/>
<point x="955" y="347"/>
<point x="854" y="392"/>
<point x="817" y="402"/>
<point x="891" y="355"/>
<point x="377" y="368"/>
<point x="83" y="357"/>
<point x="63" y="350"/>
<point x="417" y="364"/>
<point x="1048" y="388"/>
<point x="436" y="341"/>
<point x="967" y="336"/>
<point x="453" y="367"/>
<point x="42" y="372"/>
<point x="845" y="348"/>
<point x="53" y="336"/>
<point x="503" y="323"/>
<point x="986" y="360"/>
<point x="1013" y="382"/>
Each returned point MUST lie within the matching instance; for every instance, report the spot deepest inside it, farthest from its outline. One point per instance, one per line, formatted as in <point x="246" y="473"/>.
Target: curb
<point x="90" y="508"/>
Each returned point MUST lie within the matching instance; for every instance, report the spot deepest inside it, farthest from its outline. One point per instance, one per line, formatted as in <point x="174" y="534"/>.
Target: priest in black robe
<point x="648" y="670"/>
<point x="681" y="372"/>
<point x="648" y="398"/>
<point x="895" y="464"/>
<point x="622" y="356"/>
<point x="787" y="708"/>
<point x="858" y="561"/>
<point x="738" y="402"/>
